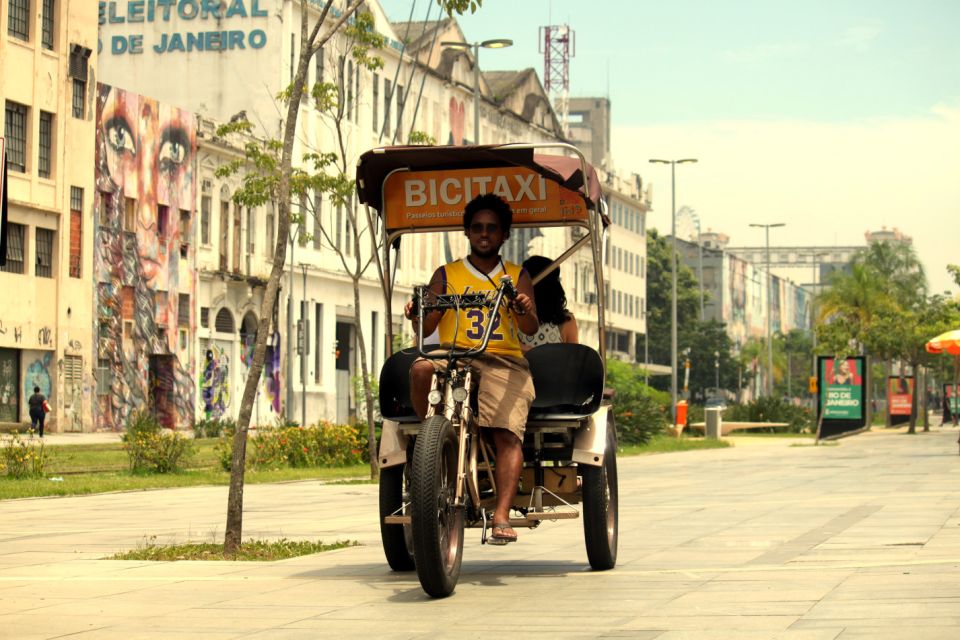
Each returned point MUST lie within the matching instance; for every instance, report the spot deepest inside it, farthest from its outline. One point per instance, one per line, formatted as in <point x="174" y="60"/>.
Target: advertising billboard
<point x="842" y="399"/>
<point x="900" y="398"/>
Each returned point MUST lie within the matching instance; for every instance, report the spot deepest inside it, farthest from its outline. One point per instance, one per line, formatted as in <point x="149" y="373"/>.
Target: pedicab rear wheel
<point x="600" y="503"/>
<point x="397" y="539"/>
<point x="436" y="522"/>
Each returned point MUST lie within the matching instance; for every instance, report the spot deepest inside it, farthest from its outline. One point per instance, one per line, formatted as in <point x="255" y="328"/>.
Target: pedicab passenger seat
<point x="568" y="379"/>
<point x="395" y="387"/>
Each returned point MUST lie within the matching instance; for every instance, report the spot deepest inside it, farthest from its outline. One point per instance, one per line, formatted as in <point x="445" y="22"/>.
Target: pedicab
<point x="437" y="476"/>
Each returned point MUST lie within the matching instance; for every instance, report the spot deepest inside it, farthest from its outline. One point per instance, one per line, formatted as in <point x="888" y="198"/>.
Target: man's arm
<point x="433" y="318"/>
<point x="528" y="321"/>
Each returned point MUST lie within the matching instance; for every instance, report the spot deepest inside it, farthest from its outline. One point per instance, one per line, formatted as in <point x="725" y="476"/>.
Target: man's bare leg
<point x="421" y="375"/>
<point x="509" y="464"/>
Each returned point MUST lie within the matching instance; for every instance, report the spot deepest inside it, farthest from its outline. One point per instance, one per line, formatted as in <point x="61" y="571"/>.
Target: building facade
<point x="47" y="58"/>
<point x="173" y="269"/>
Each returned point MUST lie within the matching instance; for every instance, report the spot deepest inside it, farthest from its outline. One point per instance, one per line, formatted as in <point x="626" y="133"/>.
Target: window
<point x="130" y="214"/>
<point x="14" y="249"/>
<point x="251" y="230"/>
<point x="106" y="206"/>
<point x="224" y="232"/>
<point x="317" y="218"/>
<point x="104" y="375"/>
<point x="163" y="219"/>
<point x="375" y="105"/>
<point x="350" y="90"/>
<point x="184" y="233"/>
<point x="76" y="230"/>
<point x="79" y="98"/>
<point x="205" y="205"/>
<point x="45" y="158"/>
<point x="271" y="225"/>
<point x="46" y="35"/>
<point x="387" y="97"/>
<point x="339" y="228"/>
<point x="302" y="221"/>
<point x="183" y="310"/>
<point x="15" y="131"/>
<point x="44" y="253"/>
<point x="18" y="19"/>
<point x="399" y="110"/>
<point x="224" y="321"/>
<point x="205" y="317"/>
<point x="319" y="66"/>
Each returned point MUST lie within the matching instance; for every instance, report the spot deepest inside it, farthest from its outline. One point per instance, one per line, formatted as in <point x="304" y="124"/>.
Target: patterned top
<point x="549" y="333"/>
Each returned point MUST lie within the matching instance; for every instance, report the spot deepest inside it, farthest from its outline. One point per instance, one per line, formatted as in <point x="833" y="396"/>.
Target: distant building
<point x="589" y="128"/>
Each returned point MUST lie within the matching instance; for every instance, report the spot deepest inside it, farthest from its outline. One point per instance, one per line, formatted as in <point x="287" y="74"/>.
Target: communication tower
<point x="558" y="44"/>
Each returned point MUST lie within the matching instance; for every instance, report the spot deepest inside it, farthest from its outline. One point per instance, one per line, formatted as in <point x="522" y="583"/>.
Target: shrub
<point x="213" y="427"/>
<point x="771" y="409"/>
<point x="319" y="445"/>
<point x="641" y="412"/>
<point x="21" y="459"/>
<point x="151" y="448"/>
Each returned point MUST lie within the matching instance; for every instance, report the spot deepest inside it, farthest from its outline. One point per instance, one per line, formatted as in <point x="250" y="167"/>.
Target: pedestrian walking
<point x="38" y="410"/>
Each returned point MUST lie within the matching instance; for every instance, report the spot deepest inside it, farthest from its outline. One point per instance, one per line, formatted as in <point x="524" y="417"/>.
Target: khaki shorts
<point x="505" y="390"/>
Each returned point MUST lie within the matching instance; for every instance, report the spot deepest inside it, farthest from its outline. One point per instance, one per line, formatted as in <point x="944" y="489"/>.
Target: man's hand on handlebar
<point x="522" y="304"/>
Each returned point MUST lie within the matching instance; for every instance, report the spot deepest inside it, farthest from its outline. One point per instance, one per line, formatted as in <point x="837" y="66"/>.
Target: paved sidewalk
<point x="859" y="540"/>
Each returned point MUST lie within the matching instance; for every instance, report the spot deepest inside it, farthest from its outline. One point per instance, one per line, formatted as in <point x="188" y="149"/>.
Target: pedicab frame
<point x="424" y="189"/>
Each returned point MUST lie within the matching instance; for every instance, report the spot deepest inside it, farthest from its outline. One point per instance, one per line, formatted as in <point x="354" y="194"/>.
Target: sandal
<point x="499" y="535"/>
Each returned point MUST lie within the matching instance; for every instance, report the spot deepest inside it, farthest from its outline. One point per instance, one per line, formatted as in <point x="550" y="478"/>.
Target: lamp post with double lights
<point x="673" y="277"/>
<point x="766" y="228"/>
<point x="496" y="43"/>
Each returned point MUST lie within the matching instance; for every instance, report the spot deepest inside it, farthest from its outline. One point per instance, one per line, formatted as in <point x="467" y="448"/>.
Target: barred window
<point x="205" y="204"/>
<point x="319" y="63"/>
<point x="183" y="310"/>
<point x="271" y="226"/>
<point x="76" y="230"/>
<point x="350" y="90"/>
<point x="15" y="131"/>
<point x="205" y="317"/>
<point x="104" y="376"/>
<point x="317" y="218"/>
<point x="18" y="19"/>
<point x="45" y="159"/>
<point x="14" y="249"/>
<point x="44" y="253"/>
<point x="387" y="98"/>
<point x="79" y="98"/>
<point x="46" y="37"/>
<point x="224" y="322"/>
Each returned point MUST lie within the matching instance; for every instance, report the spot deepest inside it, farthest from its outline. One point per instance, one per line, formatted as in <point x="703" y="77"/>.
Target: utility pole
<point x="673" y="277"/>
<point x="766" y="228"/>
<point x="304" y="342"/>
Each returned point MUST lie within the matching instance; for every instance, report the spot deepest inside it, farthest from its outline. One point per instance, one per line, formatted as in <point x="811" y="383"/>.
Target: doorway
<point x="344" y="367"/>
<point x="162" y="390"/>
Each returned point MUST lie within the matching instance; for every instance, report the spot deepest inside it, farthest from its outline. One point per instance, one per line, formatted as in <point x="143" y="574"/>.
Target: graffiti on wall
<point x="37" y="374"/>
<point x="215" y="381"/>
<point x="271" y="373"/>
<point x="145" y="194"/>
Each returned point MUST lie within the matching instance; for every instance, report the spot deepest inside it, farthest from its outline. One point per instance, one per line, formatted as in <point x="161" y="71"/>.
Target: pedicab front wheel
<point x="600" y="503"/>
<point x="436" y="521"/>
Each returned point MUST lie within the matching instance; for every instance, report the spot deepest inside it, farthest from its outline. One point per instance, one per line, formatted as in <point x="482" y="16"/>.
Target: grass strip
<point x="668" y="444"/>
<point x="88" y="483"/>
<point x="251" y="550"/>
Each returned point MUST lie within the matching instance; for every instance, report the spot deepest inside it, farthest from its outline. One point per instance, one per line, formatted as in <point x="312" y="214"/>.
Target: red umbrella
<point x="948" y="342"/>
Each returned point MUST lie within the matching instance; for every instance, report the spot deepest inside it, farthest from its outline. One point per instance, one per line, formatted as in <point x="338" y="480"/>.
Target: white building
<point x="232" y="62"/>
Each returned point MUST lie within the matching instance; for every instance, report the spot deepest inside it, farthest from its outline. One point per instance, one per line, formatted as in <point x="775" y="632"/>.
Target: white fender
<point x="590" y="440"/>
<point x="393" y="445"/>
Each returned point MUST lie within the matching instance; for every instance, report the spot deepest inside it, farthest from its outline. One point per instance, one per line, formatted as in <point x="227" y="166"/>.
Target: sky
<point x="834" y="117"/>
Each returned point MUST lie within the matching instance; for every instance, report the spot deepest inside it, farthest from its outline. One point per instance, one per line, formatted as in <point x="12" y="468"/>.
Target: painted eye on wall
<point x="120" y="135"/>
<point x="174" y="149"/>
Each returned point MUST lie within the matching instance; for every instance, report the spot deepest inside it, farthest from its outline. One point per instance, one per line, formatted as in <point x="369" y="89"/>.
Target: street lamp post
<point x="673" y="278"/>
<point x="497" y="43"/>
<point x="716" y="368"/>
<point x="766" y="228"/>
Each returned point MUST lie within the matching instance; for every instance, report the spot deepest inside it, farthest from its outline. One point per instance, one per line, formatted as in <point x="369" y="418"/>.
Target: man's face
<point x="486" y="236"/>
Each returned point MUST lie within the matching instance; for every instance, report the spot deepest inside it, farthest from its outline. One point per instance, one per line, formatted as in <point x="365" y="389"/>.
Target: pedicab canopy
<point x="428" y="186"/>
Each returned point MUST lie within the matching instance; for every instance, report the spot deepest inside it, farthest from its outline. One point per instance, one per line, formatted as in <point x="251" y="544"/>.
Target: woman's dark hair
<point x="492" y="202"/>
<point x="550" y="298"/>
<point x="36" y="389"/>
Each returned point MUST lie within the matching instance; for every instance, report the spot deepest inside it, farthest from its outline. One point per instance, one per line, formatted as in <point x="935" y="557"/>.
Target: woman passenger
<point x="557" y="324"/>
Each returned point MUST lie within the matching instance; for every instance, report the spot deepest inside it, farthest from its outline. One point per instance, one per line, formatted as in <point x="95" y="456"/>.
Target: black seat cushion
<point x="568" y="378"/>
<point x="395" y="385"/>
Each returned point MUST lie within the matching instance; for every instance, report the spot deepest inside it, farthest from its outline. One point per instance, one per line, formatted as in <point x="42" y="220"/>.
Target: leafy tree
<point x="708" y="342"/>
<point x="659" y="299"/>
<point x="955" y="272"/>
<point x="274" y="179"/>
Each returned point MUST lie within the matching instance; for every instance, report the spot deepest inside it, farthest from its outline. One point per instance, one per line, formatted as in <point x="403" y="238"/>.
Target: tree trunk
<point x="922" y="374"/>
<point x="913" y="402"/>
<point x="234" y="528"/>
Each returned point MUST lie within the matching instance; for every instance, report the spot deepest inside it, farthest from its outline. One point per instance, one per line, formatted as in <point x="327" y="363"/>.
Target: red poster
<point x="900" y="395"/>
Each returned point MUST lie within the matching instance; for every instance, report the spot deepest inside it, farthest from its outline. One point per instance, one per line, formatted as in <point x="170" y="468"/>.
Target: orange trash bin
<point x="682" y="412"/>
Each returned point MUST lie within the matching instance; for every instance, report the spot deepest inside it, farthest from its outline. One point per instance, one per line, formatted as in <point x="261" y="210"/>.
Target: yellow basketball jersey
<point x="463" y="277"/>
